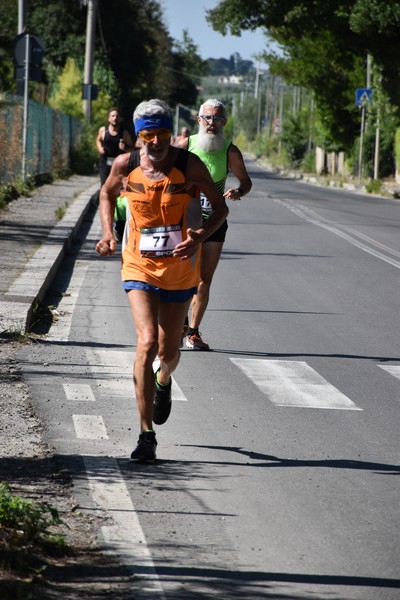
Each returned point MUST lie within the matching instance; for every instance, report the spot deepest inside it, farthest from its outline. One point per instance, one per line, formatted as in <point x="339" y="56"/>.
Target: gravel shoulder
<point x="34" y="473"/>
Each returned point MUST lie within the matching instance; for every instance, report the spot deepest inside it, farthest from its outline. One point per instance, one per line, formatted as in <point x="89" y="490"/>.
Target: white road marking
<point x="176" y="392"/>
<point x="124" y="537"/>
<point x="312" y="217"/>
<point x="392" y="369"/>
<point x="119" y="366"/>
<point x="295" y="384"/>
<point x="60" y="330"/>
<point x="79" y="392"/>
<point x="90" y="427"/>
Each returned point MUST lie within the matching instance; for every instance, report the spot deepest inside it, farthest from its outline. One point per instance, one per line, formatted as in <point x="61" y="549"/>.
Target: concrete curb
<point x="30" y="288"/>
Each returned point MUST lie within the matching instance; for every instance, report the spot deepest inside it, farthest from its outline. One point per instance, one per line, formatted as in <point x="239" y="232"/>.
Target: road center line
<point x="319" y="222"/>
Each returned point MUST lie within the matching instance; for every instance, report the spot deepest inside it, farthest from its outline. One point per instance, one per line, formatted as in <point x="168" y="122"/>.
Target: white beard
<point x="210" y="142"/>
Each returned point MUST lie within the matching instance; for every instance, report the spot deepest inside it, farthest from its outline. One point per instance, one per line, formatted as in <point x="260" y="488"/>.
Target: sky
<point x="190" y="15"/>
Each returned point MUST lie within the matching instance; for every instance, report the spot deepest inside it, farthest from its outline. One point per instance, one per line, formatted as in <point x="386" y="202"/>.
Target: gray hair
<point x="214" y="104"/>
<point x="150" y="108"/>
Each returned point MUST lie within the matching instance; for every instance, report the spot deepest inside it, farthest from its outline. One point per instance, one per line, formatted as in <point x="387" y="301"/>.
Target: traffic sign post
<point x="35" y="57"/>
<point x="89" y="91"/>
<point x="28" y="53"/>
<point x="36" y="49"/>
<point x="363" y="97"/>
<point x="363" y="100"/>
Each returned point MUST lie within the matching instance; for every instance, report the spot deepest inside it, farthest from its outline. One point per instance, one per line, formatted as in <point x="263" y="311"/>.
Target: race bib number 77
<point x="158" y="242"/>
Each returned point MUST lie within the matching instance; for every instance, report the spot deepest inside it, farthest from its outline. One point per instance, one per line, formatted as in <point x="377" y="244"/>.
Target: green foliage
<point x="308" y="162"/>
<point x="325" y="45"/>
<point x="229" y="128"/>
<point x="84" y="155"/>
<point x="295" y="134"/>
<point x="246" y="116"/>
<point x="186" y="71"/>
<point x="6" y="71"/>
<point x="229" y="66"/>
<point x="134" y="58"/>
<point x="7" y="193"/>
<point x="264" y="145"/>
<point x="60" y="211"/>
<point x="386" y="149"/>
<point x="397" y="147"/>
<point x="62" y="26"/>
<point x="241" y="142"/>
<point x="268" y="146"/>
<point x="18" y="188"/>
<point x="374" y="186"/>
<point x="68" y="96"/>
<point x="24" y="523"/>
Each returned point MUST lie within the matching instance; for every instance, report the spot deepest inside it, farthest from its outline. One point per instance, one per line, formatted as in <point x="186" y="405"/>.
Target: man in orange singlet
<point x="161" y="256"/>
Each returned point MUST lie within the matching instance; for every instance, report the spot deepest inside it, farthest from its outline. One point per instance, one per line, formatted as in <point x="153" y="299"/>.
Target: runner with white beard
<point x="221" y="157"/>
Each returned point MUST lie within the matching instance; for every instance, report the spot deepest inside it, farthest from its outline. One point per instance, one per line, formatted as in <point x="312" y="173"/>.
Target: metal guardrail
<point x="51" y="135"/>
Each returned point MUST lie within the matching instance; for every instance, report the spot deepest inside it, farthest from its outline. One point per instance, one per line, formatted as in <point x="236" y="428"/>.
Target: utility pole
<point x="281" y="93"/>
<point x="89" y="54"/>
<point x="377" y="129"/>
<point x="177" y="110"/>
<point x="21" y="29"/>
<point x="26" y="106"/>
<point x="23" y="86"/>
<point x="21" y="16"/>
<point x="257" y="80"/>
<point x="377" y="144"/>
<point x="360" y="153"/>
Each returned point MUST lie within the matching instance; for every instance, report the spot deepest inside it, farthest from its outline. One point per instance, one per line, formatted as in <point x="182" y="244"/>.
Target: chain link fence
<point x="50" y="138"/>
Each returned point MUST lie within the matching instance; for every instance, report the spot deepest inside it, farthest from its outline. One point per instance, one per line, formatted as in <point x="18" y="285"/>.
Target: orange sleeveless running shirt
<point x="159" y="212"/>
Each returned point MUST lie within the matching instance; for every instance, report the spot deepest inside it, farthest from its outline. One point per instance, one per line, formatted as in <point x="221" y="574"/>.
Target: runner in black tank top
<point x="112" y="140"/>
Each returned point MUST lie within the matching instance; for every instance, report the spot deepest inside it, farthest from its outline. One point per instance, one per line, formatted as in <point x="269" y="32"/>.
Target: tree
<point x="325" y="45"/>
<point x="187" y="71"/>
<point x="134" y="55"/>
<point x="67" y="98"/>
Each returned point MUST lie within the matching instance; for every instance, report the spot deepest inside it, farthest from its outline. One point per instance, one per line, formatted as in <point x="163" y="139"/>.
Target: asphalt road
<point x="276" y="471"/>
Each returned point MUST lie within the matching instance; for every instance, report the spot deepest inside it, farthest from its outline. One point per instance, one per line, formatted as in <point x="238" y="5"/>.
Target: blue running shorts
<point x="164" y="295"/>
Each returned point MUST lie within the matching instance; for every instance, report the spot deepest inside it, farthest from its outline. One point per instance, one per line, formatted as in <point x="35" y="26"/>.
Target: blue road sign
<point x="363" y="96"/>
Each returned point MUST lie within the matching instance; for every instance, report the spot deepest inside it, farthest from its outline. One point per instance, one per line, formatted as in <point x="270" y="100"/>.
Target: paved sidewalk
<point x="33" y="243"/>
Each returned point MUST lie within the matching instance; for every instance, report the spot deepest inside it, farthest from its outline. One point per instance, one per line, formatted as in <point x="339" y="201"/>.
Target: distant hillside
<point x="235" y="65"/>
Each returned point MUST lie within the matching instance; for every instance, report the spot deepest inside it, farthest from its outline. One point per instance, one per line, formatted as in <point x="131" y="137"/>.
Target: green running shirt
<point x="216" y="163"/>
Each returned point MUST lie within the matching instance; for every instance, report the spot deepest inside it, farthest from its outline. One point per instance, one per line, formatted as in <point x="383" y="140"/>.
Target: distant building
<point x="230" y="79"/>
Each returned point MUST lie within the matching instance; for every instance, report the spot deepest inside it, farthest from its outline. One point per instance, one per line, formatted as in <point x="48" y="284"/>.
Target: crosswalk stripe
<point x="119" y="366"/>
<point x="176" y="392"/>
<point x="392" y="369"/>
<point x="293" y="384"/>
<point x="79" y="392"/>
<point x="90" y="427"/>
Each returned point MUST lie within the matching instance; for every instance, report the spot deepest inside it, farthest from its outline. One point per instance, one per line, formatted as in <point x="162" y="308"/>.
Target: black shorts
<point x="219" y="235"/>
<point x="104" y="170"/>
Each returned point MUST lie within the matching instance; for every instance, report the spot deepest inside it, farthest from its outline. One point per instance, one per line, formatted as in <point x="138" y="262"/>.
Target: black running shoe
<point x="162" y="402"/>
<point x="145" y="451"/>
